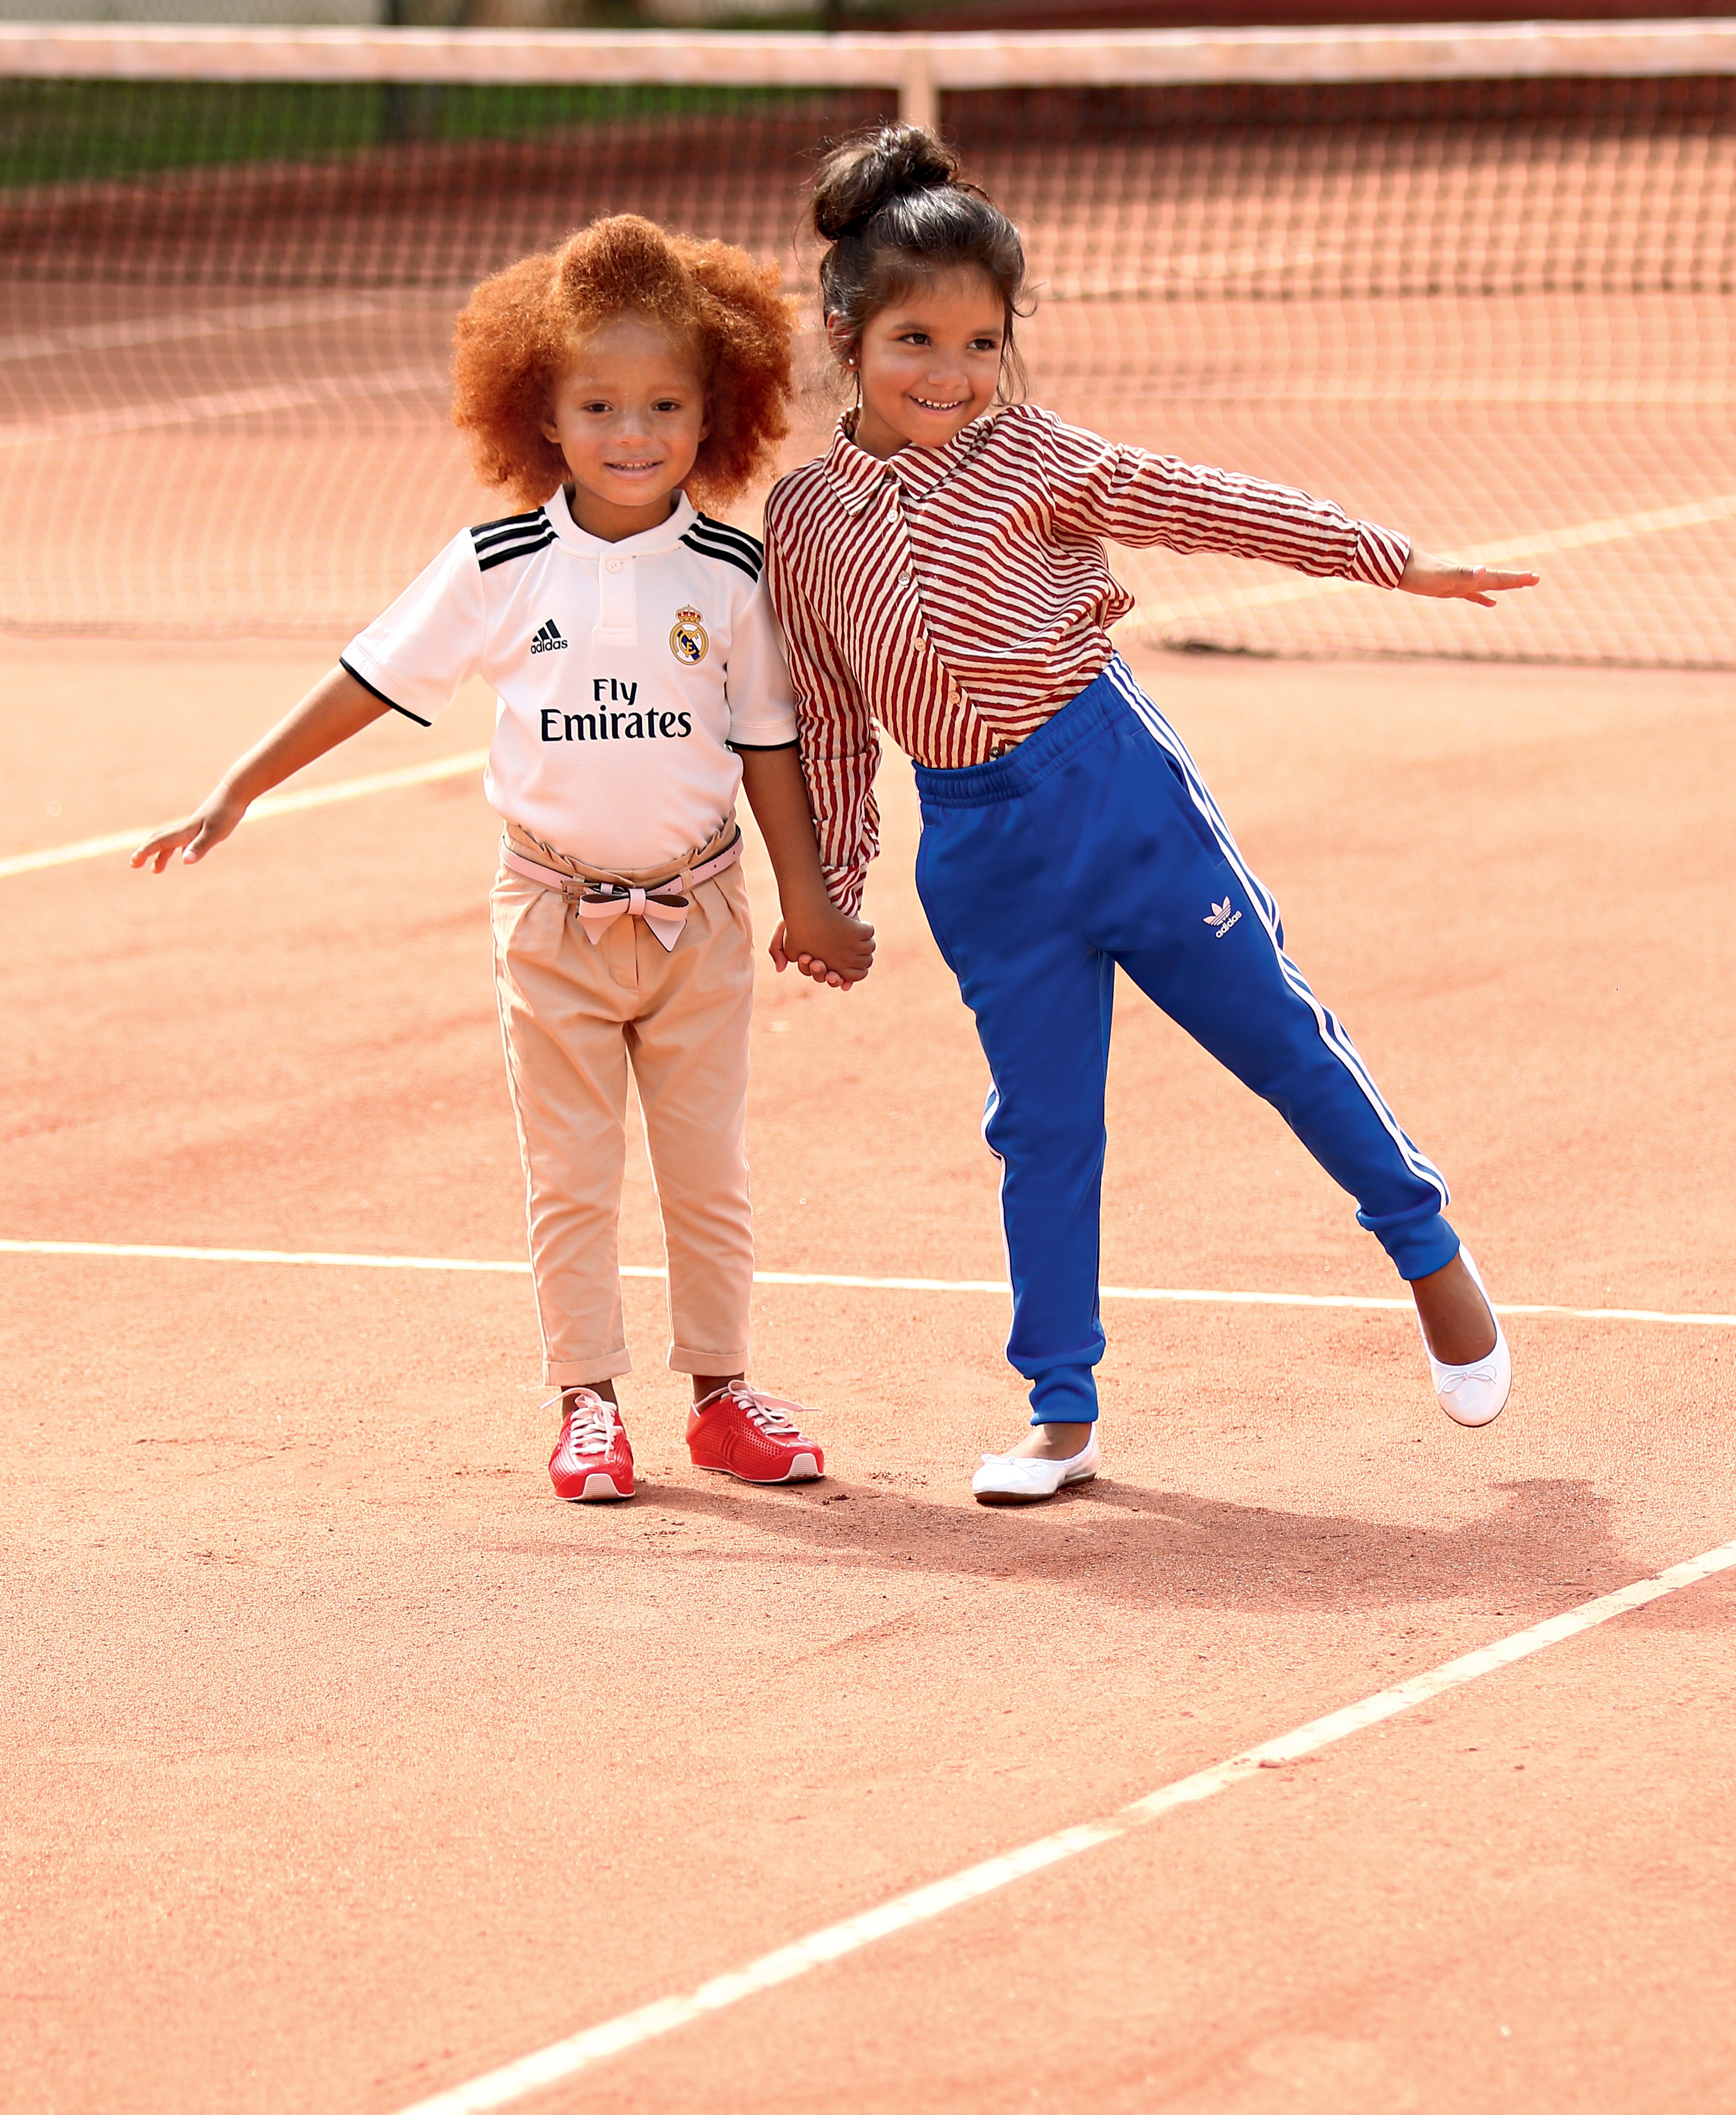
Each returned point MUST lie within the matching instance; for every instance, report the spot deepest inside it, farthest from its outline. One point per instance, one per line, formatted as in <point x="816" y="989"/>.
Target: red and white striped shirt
<point x="960" y="596"/>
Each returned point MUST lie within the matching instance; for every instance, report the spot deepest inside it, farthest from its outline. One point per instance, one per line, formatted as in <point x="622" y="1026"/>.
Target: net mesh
<point x="1494" y="314"/>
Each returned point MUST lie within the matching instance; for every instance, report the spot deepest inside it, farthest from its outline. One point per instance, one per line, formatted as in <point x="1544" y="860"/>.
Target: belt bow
<point x="663" y="906"/>
<point x="601" y="905"/>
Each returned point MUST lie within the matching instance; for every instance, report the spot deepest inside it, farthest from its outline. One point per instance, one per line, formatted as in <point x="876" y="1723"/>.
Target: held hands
<point x="1441" y="577"/>
<point x="825" y="945"/>
<point x="213" y="819"/>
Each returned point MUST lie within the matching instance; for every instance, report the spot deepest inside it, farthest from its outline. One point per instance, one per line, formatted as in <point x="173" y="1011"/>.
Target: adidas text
<point x="547" y="639"/>
<point x="1221" y="918"/>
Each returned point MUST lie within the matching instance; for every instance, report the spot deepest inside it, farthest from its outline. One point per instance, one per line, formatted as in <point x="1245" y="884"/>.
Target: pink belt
<point x="663" y="905"/>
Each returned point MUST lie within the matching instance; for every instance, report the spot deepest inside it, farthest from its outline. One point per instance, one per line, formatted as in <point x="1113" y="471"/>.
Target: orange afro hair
<point x="517" y="331"/>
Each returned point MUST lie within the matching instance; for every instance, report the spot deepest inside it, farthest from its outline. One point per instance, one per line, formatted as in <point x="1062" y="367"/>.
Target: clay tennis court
<point x="345" y="1764"/>
<point x="346" y="1767"/>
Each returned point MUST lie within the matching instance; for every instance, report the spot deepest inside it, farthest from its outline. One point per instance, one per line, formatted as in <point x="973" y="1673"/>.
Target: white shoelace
<point x="760" y="1409"/>
<point x="592" y="1423"/>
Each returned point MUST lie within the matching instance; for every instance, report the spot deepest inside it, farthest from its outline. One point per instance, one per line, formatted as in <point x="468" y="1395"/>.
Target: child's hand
<point x="826" y="945"/>
<point x="1425" y="576"/>
<point x="336" y="707"/>
<point x="213" y="820"/>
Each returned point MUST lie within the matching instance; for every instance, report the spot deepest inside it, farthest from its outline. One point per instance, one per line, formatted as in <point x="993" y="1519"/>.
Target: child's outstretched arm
<point x="336" y="707"/>
<point x="822" y="941"/>
<point x="1110" y="488"/>
<point x="1425" y="576"/>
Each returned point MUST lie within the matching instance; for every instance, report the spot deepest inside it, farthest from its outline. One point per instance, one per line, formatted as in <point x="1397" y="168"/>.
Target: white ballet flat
<point x="1476" y="1394"/>
<point x="1023" y="1479"/>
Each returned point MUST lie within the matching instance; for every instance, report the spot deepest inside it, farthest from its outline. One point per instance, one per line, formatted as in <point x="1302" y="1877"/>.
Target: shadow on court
<point x="1549" y="1545"/>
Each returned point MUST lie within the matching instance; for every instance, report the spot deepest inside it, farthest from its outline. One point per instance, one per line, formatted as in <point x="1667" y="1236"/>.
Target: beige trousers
<point x="574" y="1017"/>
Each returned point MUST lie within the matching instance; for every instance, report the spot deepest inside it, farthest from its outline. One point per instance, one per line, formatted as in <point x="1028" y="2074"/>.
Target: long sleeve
<point x="840" y="748"/>
<point x="1099" y="487"/>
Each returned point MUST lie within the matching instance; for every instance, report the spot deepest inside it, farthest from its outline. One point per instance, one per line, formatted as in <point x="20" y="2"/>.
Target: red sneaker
<point x="591" y="1458"/>
<point x="750" y="1435"/>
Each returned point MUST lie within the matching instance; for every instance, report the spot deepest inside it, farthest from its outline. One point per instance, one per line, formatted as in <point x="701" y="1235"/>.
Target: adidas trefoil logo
<point x="1220" y="918"/>
<point x="547" y="639"/>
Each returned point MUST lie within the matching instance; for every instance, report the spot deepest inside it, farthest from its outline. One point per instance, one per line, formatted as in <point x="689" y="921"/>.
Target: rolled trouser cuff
<point x="1418" y="1242"/>
<point x="581" y="1372"/>
<point x="683" y="1358"/>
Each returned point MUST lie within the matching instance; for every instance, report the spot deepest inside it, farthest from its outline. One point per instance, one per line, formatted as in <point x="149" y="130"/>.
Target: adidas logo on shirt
<point x="622" y="749"/>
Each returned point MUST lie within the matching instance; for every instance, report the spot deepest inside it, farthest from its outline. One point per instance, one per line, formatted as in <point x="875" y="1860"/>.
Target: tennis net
<point x="1490" y="307"/>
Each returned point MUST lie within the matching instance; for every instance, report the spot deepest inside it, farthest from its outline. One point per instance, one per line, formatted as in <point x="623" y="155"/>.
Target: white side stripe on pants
<point x="1331" y="1033"/>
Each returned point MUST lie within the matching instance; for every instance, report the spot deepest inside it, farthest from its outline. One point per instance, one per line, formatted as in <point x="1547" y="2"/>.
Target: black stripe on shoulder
<point x="726" y="554"/>
<point x="729" y="534"/>
<point x="514" y="531"/>
<point x="509" y="522"/>
<point x="514" y="551"/>
<point x="356" y="675"/>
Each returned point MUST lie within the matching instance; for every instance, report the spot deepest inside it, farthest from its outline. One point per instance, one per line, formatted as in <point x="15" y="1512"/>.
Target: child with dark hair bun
<point x="941" y="570"/>
<point x="606" y="385"/>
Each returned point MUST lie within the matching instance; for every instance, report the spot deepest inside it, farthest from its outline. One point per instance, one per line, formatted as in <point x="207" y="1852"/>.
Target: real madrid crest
<point x="689" y="642"/>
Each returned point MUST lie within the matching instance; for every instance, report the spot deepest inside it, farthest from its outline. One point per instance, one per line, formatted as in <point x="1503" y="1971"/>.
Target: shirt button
<point x="614" y="564"/>
<point x="904" y="577"/>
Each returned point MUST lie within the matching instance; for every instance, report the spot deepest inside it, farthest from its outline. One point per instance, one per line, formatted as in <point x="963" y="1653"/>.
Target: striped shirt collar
<point x="856" y="475"/>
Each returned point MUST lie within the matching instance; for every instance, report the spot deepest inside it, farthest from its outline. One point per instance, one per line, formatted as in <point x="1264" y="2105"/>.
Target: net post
<point x="919" y="102"/>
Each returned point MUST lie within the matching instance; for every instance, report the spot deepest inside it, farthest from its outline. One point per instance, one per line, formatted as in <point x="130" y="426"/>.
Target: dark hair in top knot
<point x="872" y="168"/>
<point x="892" y="203"/>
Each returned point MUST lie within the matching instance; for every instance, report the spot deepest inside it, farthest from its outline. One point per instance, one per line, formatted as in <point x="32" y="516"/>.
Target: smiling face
<point x="628" y="414"/>
<point x="930" y="361"/>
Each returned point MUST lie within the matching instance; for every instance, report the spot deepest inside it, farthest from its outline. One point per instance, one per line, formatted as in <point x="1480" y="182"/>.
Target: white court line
<point x="330" y="1259"/>
<point x="563" y="2059"/>
<point x="223" y="404"/>
<point x="1574" y="536"/>
<point x="270" y="803"/>
<point x="1545" y="390"/>
<point x="187" y="324"/>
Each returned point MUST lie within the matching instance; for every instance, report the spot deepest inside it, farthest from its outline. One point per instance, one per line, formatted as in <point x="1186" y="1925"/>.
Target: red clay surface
<point x="341" y="1762"/>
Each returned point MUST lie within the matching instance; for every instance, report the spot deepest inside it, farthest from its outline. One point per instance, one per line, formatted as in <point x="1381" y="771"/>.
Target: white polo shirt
<point x="624" y="671"/>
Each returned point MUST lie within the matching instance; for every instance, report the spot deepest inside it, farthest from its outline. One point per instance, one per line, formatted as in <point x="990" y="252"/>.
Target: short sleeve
<point x="417" y="654"/>
<point x="762" y="702"/>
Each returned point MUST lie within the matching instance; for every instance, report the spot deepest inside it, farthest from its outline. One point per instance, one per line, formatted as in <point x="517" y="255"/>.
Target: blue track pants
<point x="1093" y="842"/>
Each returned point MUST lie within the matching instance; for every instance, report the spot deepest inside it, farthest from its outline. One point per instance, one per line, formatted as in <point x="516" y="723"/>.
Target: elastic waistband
<point x="1007" y="777"/>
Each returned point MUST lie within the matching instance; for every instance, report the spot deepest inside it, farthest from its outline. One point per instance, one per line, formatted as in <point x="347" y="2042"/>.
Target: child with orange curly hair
<point x="640" y="674"/>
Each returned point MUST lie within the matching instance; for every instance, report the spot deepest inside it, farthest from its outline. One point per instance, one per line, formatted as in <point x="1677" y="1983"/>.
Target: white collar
<point x="665" y="537"/>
